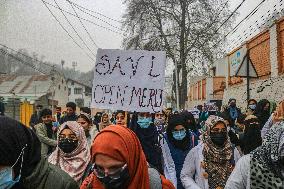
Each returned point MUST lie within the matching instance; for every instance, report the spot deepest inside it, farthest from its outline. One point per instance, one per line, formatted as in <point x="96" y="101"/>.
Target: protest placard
<point x="129" y="80"/>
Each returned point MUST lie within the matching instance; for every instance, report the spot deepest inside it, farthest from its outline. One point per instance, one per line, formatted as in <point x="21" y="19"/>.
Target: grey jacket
<point x="48" y="176"/>
<point x="45" y="141"/>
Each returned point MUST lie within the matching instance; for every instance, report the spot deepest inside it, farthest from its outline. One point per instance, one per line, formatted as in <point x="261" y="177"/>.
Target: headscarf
<point x="76" y="162"/>
<point x="14" y="139"/>
<point x="265" y="165"/>
<point x="218" y="161"/>
<point x="148" y="138"/>
<point x="262" y="115"/>
<point x="251" y="138"/>
<point x="125" y="147"/>
<point x="175" y="120"/>
<point x="189" y="116"/>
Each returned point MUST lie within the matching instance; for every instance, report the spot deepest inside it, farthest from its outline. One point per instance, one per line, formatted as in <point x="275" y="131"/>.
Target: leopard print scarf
<point x="264" y="167"/>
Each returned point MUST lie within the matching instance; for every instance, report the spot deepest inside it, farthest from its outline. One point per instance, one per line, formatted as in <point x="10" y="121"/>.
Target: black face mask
<point x="119" y="183"/>
<point x="218" y="138"/>
<point x="67" y="145"/>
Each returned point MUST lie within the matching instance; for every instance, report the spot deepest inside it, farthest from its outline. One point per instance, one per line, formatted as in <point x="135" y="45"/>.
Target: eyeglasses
<point x="71" y="137"/>
<point x="100" y="172"/>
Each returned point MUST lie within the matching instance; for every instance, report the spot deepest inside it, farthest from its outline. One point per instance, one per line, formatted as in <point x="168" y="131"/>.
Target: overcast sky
<point x="28" y="24"/>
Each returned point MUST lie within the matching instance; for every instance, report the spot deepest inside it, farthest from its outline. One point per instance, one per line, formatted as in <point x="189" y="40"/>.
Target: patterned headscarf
<point x="218" y="160"/>
<point x="76" y="162"/>
<point x="265" y="163"/>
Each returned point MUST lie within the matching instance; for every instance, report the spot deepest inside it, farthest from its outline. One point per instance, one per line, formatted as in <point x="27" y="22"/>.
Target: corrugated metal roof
<point x="25" y="84"/>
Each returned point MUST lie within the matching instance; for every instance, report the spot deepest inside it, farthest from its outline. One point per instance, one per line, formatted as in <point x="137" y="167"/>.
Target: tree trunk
<point x="182" y="66"/>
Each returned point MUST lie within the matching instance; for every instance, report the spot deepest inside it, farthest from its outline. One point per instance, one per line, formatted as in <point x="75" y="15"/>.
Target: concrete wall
<point x="271" y="89"/>
<point x="61" y="91"/>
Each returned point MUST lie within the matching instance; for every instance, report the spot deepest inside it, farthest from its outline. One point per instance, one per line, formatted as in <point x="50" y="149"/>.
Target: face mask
<point x="67" y="145"/>
<point x="252" y="106"/>
<point x="116" y="183"/>
<point x="144" y="123"/>
<point x="158" y="122"/>
<point x="6" y="174"/>
<point x="179" y="135"/>
<point x="218" y="138"/>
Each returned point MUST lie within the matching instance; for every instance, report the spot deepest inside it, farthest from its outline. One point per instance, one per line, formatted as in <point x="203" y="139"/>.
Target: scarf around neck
<point x="76" y="162"/>
<point x="264" y="166"/>
<point x="218" y="160"/>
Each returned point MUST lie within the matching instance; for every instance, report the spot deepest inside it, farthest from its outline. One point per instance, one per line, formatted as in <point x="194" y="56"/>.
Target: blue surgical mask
<point x="6" y="174"/>
<point x="144" y="122"/>
<point x="179" y="135"/>
<point x="252" y="106"/>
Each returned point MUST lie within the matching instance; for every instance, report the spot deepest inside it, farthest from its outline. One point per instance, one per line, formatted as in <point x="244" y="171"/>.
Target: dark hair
<point x="45" y="112"/>
<point x="39" y="106"/>
<point x="189" y="116"/>
<point x="71" y="105"/>
<point x="86" y="110"/>
<point x="252" y="100"/>
<point x="241" y="119"/>
<point x="119" y="112"/>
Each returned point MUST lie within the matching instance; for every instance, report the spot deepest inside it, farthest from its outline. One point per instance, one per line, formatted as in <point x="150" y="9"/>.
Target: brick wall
<point x="280" y="32"/>
<point x="259" y="52"/>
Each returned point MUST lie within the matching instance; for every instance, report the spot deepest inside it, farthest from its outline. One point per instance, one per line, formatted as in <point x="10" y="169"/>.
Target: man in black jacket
<point x="35" y="118"/>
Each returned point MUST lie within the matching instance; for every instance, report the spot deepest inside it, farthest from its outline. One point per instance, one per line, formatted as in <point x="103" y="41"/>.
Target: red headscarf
<point x="123" y="145"/>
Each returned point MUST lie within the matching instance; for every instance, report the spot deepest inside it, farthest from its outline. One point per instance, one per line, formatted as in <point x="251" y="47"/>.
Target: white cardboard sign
<point x="129" y="80"/>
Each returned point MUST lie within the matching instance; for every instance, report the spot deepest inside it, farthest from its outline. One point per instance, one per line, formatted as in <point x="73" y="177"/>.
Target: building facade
<point x="79" y="93"/>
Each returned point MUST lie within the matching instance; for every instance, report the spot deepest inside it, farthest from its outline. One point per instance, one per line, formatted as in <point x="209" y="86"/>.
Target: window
<point x="62" y="81"/>
<point x="72" y="83"/>
<point x="65" y="88"/>
<point x="58" y="87"/>
<point x="69" y="91"/>
<point x="79" y="102"/>
<point x="78" y="91"/>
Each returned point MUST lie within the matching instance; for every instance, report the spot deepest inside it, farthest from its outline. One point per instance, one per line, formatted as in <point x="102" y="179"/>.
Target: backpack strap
<point x="154" y="178"/>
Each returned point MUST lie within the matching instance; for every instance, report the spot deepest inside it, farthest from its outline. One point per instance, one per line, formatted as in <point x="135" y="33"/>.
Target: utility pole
<point x="177" y="85"/>
<point x="62" y="64"/>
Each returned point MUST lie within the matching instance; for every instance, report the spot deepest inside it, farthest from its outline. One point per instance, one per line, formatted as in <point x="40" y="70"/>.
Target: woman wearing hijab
<point x="210" y="163"/>
<point x="72" y="154"/>
<point x="252" y="103"/>
<point x="21" y="165"/>
<point x="264" y="167"/>
<point x="190" y="121"/>
<point x="142" y="125"/>
<point x="85" y="121"/>
<point x="177" y="143"/>
<point x="121" y="163"/>
<point x="250" y="139"/>
<point x="262" y="111"/>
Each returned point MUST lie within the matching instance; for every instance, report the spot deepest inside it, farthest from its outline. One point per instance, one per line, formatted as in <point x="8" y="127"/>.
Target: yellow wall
<point x="26" y="110"/>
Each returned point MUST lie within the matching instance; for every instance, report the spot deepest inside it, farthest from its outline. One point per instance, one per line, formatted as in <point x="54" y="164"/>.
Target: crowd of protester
<point x="231" y="149"/>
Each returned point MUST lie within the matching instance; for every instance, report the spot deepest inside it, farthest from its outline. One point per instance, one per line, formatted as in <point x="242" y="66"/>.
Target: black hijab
<point x="260" y="113"/>
<point x="14" y="137"/>
<point x="175" y="120"/>
<point x="187" y="116"/>
<point x="149" y="139"/>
